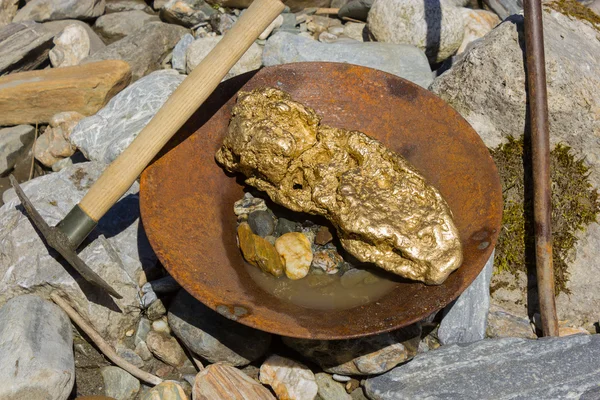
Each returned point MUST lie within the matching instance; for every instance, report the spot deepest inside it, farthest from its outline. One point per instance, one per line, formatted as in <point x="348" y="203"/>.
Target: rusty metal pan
<point x="187" y="199"/>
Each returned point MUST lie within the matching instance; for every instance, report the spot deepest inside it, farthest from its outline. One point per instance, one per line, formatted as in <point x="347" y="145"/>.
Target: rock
<point x="356" y="31"/>
<point x="340" y="378"/>
<point x="36" y="96"/>
<point x="70" y="47"/>
<point x="115" y="6"/>
<point x="356" y="9"/>
<point x="568" y="331"/>
<point x="410" y="22"/>
<point x="36" y="349"/>
<point x="49" y="10"/>
<point x="327" y="260"/>
<point x="8" y="10"/>
<point x="363" y="356"/>
<point x="505" y="8"/>
<point x="96" y="44"/>
<point x="15" y="142"/>
<point x="119" y="384"/>
<point x="277" y="22"/>
<point x="285" y="226"/>
<point x="166" y="348"/>
<point x="222" y="23"/>
<point x="121" y="259"/>
<point x="161" y="326"/>
<point x="293" y="5"/>
<point x="142" y="350"/>
<point x="289" y="379"/>
<point x="167" y="390"/>
<point x="196" y="52"/>
<point x="487" y="86"/>
<point x="23" y="46"/>
<point x="142" y="330"/>
<point x="258" y="251"/>
<point x="166" y="284"/>
<point x="323" y="236"/>
<point x="156" y="310"/>
<point x="503" y="324"/>
<point x="129" y="355"/>
<point x="261" y="223"/>
<point x="144" y="49"/>
<point x="405" y="61"/>
<point x="186" y="12"/>
<point x="53" y="145"/>
<point x="294" y="248"/>
<point x="506" y="368"/>
<point x="248" y="205"/>
<point x="222" y="381"/>
<point x="115" y="26"/>
<point x="595" y="7"/>
<point x="465" y="319"/>
<point x="62" y="164"/>
<point x="212" y="336"/>
<point x="330" y="389"/>
<point x="477" y="24"/>
<point x="327" y="37"/>
<point x="179" y="59"/>
<point x="106" y="134"/>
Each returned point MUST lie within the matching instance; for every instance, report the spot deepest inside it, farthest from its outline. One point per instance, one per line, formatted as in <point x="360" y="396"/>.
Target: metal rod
<point x="540" y="143"/>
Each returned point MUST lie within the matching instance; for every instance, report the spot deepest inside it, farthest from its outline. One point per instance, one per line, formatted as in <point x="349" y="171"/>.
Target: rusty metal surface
<point x="187" y="199"/>
<point x="540" y="146"/>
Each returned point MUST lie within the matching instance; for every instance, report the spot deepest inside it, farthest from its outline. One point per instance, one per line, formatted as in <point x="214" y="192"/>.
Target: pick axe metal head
<point x="59" y="240"/>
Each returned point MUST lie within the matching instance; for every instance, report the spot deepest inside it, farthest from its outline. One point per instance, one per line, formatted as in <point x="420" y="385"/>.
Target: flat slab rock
<point x="24" y="46"/>
<point x="36" y="350"/>
<point x="36" y="96"/>
<point x="509" y="368"/>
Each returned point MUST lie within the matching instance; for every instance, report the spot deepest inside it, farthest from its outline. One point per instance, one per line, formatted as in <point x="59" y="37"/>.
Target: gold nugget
<point x="384" y="211"/>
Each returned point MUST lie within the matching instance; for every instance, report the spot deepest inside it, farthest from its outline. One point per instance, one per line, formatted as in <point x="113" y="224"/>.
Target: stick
<point x="102" y="345"/>
<point x="540" y="143"/>
<point x="321" y="11"/>
<point x="33" y="153"/>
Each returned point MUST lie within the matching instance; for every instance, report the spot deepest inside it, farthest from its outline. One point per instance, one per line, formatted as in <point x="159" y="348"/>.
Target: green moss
<point x="575" y="204"/>
<point x="574" y="9"/>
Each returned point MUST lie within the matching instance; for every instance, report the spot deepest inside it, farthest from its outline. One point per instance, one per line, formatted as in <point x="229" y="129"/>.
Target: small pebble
<point x="142" y="350"/>
<point x="285" y="226"/>
<point x="249" y="204"/>
<point x="341" y="378"/>
<point x="327" y="37"/>
<point x="130" y="333"/>
<point x="148" y="299"/>
<point x="261" y="222"/>
<point x="352" y="385"/>
<point x="156" y="310"/>
<point x="160" y="325"/>
<point x="294" y="248"/>
<point x="324" y="236"/>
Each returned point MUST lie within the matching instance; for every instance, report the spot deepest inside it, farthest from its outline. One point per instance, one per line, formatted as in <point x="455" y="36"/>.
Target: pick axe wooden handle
<point x="193" y="91"/>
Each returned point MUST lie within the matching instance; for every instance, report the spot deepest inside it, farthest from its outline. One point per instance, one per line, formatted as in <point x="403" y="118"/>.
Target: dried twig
<point x="33" y="153"/>
<point x="321" y="11"/>
<point x="102" y="345"/>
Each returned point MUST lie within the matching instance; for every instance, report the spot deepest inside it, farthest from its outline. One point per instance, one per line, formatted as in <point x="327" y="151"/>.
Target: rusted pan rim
<point x="187" y="199"/>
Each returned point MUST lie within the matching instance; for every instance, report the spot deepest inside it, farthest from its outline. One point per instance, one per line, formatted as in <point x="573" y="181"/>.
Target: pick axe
<point x="118" y="177"/>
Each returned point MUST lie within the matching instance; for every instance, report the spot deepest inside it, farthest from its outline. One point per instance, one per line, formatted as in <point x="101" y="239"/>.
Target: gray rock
<point x="356" y="9"/>
<point x="130" y="356"/>
<point x="8" y="10"/>
<point x="196" y="52"/>
<point x="144" y="49"/>
<point x="356" y="31"/>
<point x="186" y="12"/>
<point x="179" y="60"/>
<point x="148" y="298"/>
<point x="156" y="310"/>
<point x="503" y="324"/>
<point x="405" y="61"/>
<point x="465" y="319"/>
<point x="285" y="226"/>
<point x="166" y="348"/>
<point x="330" y="389"/>
<point x="487" y="87"/>
<point x="275" y="24"/>
<point x="49" y="10"/>
<point x="70" y="47"/>
<point x="96" y="44"/>
<point x="142" y="330"/>
<point x="363" y="356"/>
<point x="15" y="142"/>
<point x="23" y="46"/>
<point x="505" y="8"/>
<point x="549" y="368"/>
<point x="213" y="336"/>
<point x="36" y="349"/>
<point x="26" y="265"/>
<point x="119" y="384"/>
<point x="340" y="378"/>
<point x="141" y="349"/>
<point x="115" y="26"/>
<point x="114" y="6"/>
<point x="261" y="223"/>
<point x="434" y="26"/>
<point x="222" y="23"/>
<point x="166" y="284"/>
<point x="106" y="134"/>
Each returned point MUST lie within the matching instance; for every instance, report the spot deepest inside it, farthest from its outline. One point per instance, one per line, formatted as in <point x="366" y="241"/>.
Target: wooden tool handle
<point x="187" y="98"/>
